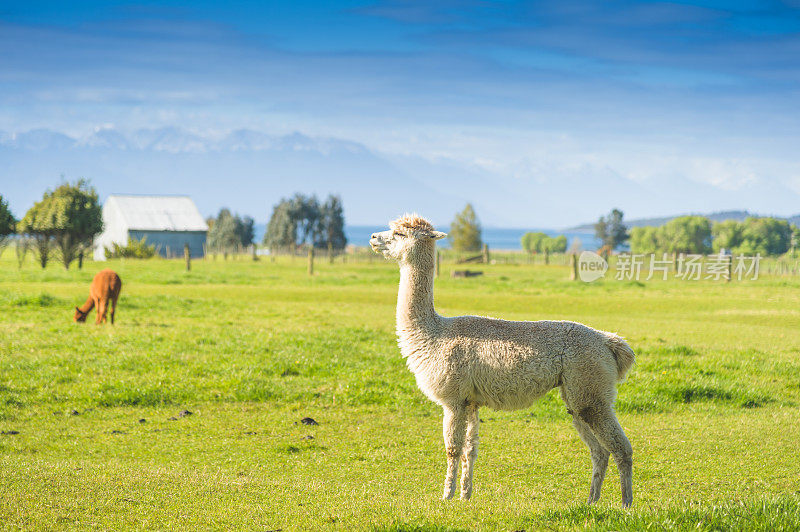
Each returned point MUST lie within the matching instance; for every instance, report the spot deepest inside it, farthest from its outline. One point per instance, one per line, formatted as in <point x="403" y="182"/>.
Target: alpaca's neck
<point x="89" y="305"/>
<point x="415" y="297"/>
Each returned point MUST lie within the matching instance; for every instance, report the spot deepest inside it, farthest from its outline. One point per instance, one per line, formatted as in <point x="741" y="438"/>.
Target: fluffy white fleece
<point x="467" y="362"/>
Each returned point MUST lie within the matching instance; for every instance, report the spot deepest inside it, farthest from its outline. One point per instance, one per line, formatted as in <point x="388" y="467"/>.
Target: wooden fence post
<point x="438" y="266"/>
<point x="188" y="256"/>
<point x="311" y="260"/>
<point x="573" y="263"/>
<point x="80" y="260"/>
<point x="547" y="256"/>
<point x="486" y="253"/>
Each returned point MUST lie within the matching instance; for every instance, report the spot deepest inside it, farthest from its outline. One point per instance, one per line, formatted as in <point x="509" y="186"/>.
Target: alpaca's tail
<point x="622" y="352"/>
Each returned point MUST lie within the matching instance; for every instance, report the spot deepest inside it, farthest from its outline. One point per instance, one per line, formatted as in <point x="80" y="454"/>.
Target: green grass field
<point x="92" y="436"/>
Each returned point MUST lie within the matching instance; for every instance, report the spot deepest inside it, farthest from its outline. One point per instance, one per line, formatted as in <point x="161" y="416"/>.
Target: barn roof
<point x="158" y="213"/>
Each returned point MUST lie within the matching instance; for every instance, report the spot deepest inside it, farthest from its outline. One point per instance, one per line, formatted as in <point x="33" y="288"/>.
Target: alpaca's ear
<point x="438" y="235"/>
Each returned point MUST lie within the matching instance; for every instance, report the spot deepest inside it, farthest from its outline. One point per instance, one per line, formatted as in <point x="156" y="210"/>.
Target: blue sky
<point x="703" y="92"/>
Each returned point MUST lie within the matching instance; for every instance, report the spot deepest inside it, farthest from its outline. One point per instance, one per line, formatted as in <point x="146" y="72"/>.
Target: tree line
<point x="542" y="243"/>
<point x="68" y="218"/>
<point x="303" y="220"/>
<point x="699" y="235"/>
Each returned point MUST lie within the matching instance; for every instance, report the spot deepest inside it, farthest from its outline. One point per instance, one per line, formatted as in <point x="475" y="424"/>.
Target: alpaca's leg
<point x="599" y="458"/>
<point x="104" y="317"/>
<point x="609" y="433"/>
<point x="599" y="453"/>
<point x="113" y="309"/>
<point x="470" y="452"/>
<point x="100" y="311"/>
<point x="455" y="426"/>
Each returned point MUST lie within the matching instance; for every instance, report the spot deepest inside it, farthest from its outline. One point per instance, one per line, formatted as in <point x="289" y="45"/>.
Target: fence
<point x="772" y="266"/>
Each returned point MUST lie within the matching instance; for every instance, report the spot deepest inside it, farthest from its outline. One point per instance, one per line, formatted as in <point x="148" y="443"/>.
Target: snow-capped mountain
<point x="249" y="171"/>
<point x="39" y="140"/>
<point x="106" y="138"/>
<point x="169" y="139"/>
<point x="177" y="140"/>
<point x="246" y="170"/>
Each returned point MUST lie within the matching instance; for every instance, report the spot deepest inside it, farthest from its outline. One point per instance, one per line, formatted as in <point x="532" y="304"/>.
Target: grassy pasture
<point x="87" y="441"/>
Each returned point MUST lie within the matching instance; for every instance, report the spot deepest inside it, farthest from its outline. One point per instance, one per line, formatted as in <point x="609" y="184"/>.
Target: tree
<point x="540" y="243"/>
<point x="38" y="234"/>
<point x="767" y="236"/>
<point x="68" y="217"/>
<point x="331" y="225"/>
<point x="245" y="229"/>
<point x="305" y="213"/>
<point x="223" y="237"/>
<point x="645" y="240"/>
<point x="302" y="220"/>
<point x="77" y="217"/>
<point x="228" y="232"/>
<point x="8" y="224"/>
<point x="686" y="234"/>
<point x="23" y="244"/>
<point x="727" y="235"/>
<point x="282" y="227"/>
<point x="558" y="244"/>
<point x="532" y="242"/>
<point x="465" y="231"/>
<point x="611" y="229"/>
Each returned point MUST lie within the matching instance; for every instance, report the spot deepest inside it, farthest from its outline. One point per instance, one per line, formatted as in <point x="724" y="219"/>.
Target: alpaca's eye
<point x="397" y="234"/>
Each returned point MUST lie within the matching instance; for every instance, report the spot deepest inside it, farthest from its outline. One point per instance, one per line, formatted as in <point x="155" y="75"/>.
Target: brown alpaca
<point x="105" y="288"/>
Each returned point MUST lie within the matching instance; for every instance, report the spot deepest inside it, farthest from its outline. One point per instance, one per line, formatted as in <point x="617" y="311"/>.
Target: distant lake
<point x="496" y="238"/>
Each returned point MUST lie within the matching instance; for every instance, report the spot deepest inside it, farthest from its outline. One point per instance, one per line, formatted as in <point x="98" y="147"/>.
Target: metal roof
<point x="158" y="213"/>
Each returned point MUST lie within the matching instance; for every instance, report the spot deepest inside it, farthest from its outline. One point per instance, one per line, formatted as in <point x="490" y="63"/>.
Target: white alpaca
<point x="467" y="362"/>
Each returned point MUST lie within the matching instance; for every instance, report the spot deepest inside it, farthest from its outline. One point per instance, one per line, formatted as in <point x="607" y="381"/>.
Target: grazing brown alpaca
<point x="105" y="288"/>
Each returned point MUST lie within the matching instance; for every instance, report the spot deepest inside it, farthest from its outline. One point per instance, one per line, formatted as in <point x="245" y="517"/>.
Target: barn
<point x="169" y="222"/>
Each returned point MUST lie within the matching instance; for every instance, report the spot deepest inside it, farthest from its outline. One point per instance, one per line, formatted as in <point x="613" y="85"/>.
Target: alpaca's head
<point x="409" y="239"/>
<point x="80" y="316"/>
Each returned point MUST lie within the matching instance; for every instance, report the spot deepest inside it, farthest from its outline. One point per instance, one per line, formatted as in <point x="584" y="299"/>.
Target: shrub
<point x="135" y="249"/>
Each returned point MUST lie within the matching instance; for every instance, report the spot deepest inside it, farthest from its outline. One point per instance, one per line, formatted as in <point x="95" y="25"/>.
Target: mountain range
<point x="249" y="171"/>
